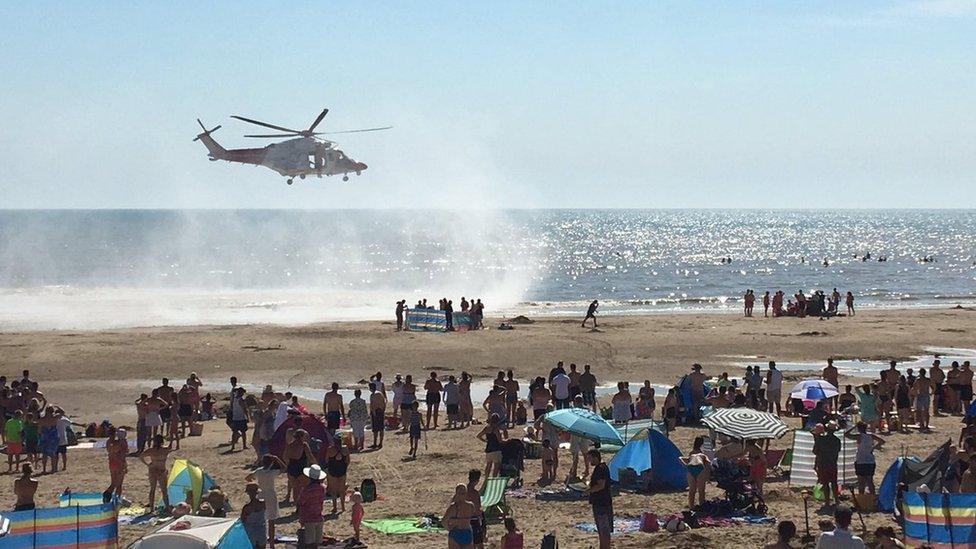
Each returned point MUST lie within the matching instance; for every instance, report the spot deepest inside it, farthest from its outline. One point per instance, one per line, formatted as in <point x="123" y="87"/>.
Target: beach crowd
<point x="311" y="451"/>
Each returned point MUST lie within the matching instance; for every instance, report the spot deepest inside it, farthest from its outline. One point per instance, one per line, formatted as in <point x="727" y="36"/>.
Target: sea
<point x="86" y="269"/>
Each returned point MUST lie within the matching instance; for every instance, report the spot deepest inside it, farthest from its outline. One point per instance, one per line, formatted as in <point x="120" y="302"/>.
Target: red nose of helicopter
<point x="360" y="166"/>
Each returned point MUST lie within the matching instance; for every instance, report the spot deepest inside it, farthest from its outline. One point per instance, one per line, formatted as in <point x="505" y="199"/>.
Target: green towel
<point x="402" y="525"/>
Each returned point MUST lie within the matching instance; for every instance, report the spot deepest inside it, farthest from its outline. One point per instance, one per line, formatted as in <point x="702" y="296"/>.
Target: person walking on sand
<point x="850" y="303"/>
<point x="591" y="313"/>
<point x="766" y="304"/>
<point x="750" y="301"/>
<point x="413" y="422"/>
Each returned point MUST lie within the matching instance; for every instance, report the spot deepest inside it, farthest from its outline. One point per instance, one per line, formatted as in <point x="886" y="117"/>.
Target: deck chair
<point x="493" y="503"/>
<point x="773" y="460"/>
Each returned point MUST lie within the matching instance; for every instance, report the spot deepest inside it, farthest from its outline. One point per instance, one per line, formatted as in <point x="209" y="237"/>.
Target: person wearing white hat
<point x="309" y="506"/>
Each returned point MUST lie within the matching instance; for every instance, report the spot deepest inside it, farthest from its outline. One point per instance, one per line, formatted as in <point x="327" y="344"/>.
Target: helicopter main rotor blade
<point x="317" y="121"/>
<point x="266" y="125"/>
<point x="357" y="131"/>
<point x="276" y="135"/>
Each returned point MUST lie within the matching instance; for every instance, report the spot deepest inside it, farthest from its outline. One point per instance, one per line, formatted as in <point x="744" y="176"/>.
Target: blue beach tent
<point x="654" y="453"/>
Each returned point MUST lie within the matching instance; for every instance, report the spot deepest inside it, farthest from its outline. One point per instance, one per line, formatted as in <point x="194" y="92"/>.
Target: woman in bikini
<point x="697" y="464"/>
<point x="409" y="397"/>
<point x="336" y="465"/>
<point x="457" y="519"/>
<point x="117" y="448"/>
<point x="155" y="460"/>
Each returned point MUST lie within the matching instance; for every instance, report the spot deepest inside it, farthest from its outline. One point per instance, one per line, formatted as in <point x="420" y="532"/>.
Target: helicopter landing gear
<point x="301" y="176"/>
<point x="289" y="181"/>
<point x="345" y="178"/>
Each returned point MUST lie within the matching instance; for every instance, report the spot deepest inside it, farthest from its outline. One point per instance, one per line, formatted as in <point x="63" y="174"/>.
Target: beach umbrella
<point x="813" y="389"/>
<point x="586" y="424"/>
<point x="745" y="423"/>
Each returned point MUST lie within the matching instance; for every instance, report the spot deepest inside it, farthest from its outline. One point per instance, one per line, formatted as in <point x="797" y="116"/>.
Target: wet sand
<point x="97" y="374"/>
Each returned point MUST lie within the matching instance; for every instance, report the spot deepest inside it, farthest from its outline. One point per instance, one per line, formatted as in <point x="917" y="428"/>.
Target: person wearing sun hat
<point x="309" y="507"/>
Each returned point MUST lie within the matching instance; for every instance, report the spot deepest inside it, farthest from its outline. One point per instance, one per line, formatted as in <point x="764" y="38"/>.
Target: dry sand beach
<point x="97" y="374"/>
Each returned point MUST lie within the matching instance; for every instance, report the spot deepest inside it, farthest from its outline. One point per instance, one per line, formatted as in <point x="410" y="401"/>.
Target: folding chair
<point x="493" y="503"/>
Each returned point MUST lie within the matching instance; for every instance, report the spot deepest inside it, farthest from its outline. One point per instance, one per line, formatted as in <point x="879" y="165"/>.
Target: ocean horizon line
<point x="514" y="209"/>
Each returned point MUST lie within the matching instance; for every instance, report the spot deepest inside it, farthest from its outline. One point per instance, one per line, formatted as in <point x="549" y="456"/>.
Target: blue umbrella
<point x="813" y="389"/>
<point x="584" y="423"/>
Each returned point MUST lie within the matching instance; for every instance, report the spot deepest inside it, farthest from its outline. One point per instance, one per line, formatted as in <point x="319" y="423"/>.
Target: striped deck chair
<point x="493" y="503"/>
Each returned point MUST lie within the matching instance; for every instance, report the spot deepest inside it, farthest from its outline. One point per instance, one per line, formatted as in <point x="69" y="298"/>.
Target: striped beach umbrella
<point x="745" y="423"/>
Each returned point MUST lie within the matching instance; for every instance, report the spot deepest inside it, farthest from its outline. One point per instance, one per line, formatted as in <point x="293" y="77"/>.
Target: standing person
<point x="621" y="403"/>
<point x="154" y="419"/>
<point x="601" y="499"/>
<point x="449" y="314"/>
<point x="155" y="460"/>
<point x="492" y="437"/>
<point x="697" y="379"/>
<point x="511" y="397"/>
<point x="474" y="496"/>
<point x="117" y="448"/>
<point x="400" y="306"/>
<point x="309" y="505"/>
<point x="63" y="426"/>
<point x="356" y="517"/>
<point x="377" y="415"/>
<point x="335" y="410"/>
<point x="297" y="455"/>
<point x="841" y="537"/>
<point x="766" y="304"/>
<point x="24" y="488"/>
<point x="452" y="401"/>
<point x="560" y="389"/>
<point x="408" y="400"/>
<point x="465" y="406"/>
<point x="358" y="417"/>
<point x="540" y="397"/>
<point x="587" y="386"/>
<point x="867" y="404"/>
<point x="253" y="517"/>
<point x="864" y="461"/>
<point x="966" y="383"/>
<point x="239" y="416"/>
<point x="850" y="304"/>
<point x="591" y="313"/>
<point x="937" y="377"/>
<point x="142" y="431"/>
<point x="774" y="388"/>
<point x="433" y="398"/>
<point x="13" y="433"/>
<point x="413" y="422"/>
<point x="830" y="374"/>
<point x="826" y="449"/>
<point x="336" y="467"/>
<point x="457" y="520"/>
<point x="265" y="476"/>
<point x="923" y="398"/>
<point x="699" y="469"/>
<point x="749" y="301"/>
<point x="397" y="388"/>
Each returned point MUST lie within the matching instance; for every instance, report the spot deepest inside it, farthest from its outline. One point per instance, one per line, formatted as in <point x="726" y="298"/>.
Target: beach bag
<point x="368" y="489"/>
<point x="549" y="541"/>
<point x="648" y="522"/>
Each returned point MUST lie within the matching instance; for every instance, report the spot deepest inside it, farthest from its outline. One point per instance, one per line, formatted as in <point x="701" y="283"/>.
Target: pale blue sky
<point x="496" y="104"/>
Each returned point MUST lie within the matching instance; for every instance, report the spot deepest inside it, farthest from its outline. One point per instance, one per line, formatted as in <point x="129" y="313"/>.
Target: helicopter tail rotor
<point x="206" y="132"/>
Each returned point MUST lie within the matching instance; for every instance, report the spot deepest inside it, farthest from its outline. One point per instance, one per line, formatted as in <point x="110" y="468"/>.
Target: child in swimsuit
<point x="548" y="461"/>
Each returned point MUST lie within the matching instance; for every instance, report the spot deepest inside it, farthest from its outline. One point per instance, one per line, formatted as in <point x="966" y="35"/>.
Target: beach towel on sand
<point x="620" y="526"/>
<point x="400" y="525"/>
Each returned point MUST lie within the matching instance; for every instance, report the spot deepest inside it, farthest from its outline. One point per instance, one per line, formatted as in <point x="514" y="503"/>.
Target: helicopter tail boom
<point x="216" y="151"/>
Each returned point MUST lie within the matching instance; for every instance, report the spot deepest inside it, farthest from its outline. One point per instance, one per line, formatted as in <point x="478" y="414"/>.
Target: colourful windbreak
<point x="74" y="527"/>
<point x="940" y="519"/>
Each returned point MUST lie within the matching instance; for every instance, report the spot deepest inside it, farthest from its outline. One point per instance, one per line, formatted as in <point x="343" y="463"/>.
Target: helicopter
<point x="303" y="156"/>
